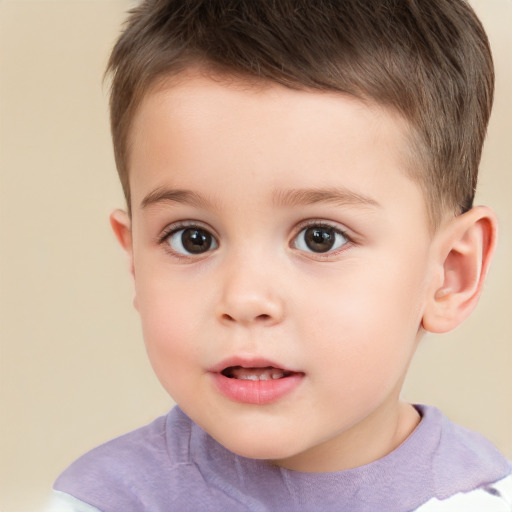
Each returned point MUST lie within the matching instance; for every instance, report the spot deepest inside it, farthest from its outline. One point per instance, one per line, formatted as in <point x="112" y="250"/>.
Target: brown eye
<point x="192" y="241"/>
<point x="319" y="239"/>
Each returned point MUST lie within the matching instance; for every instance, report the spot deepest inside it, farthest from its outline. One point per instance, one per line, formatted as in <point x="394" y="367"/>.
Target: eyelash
<point x="163" y="238"/>
<point x="173" y="229"/>
<point x="317" y="223"/>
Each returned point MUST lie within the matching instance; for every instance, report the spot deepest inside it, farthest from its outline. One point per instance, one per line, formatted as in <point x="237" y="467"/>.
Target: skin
<point x="347" y="320"/>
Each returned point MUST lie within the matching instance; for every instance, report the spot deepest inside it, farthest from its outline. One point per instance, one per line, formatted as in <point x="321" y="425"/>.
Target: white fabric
<point x="62" y="502"/>
<point x="496" y="497"/>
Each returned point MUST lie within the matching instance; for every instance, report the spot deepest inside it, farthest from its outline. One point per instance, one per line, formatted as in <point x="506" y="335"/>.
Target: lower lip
<point x="258" y="392"/>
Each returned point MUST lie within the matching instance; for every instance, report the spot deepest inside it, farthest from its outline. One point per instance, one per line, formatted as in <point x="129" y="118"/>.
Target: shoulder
<point x="168" y="465"/>
<point x="121" y="455"/>
<point x="466" y="446"/>
<point x="465" y="470"/>
<point x="461" y="460"/>
<point x="494" y="497"/>
<point x="122" y="470"/>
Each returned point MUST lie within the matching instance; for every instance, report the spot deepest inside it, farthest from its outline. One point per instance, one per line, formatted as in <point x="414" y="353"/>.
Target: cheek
<point x="170" y="328"/>
<point x="366" y="323"/>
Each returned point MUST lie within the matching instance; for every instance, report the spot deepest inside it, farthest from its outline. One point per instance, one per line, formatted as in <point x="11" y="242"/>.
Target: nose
<point x="250" y="295"/>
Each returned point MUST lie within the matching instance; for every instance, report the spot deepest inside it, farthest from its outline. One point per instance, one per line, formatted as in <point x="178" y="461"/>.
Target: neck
<point x="369" y="440"/>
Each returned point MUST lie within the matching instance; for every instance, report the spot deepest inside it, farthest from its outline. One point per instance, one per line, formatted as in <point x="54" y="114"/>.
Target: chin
<point x="262" y="447"/>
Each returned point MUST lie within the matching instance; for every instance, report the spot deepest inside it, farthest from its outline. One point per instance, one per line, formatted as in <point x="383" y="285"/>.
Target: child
<point x="299" y="178"/>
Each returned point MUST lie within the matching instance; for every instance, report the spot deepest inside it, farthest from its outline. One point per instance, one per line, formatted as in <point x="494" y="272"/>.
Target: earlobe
<point x="121" y="225"/>
<point x="465" y="249"/>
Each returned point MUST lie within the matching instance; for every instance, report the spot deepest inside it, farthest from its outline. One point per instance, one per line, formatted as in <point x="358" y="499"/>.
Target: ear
<point x="122" y="227"/>
<point x="463" y="252"/>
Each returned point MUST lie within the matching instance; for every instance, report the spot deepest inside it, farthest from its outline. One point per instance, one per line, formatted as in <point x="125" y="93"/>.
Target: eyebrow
<point x="163" y="194"/>
<point x="287" y="198"/>
<point x="336" y="196"/>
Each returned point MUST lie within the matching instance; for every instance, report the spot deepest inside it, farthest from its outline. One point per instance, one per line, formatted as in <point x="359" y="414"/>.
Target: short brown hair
<point x="428" y="59"/>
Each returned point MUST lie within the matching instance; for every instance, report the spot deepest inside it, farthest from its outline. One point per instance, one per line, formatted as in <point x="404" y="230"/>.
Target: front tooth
<point x="254" y="374"/>
<point x="250" y="377"/>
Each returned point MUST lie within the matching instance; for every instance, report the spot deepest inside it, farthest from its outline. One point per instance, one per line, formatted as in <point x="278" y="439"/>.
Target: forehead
<point x="197" y="128"/>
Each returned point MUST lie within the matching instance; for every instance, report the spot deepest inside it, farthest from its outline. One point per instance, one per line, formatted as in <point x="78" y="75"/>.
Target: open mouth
<point x="255" y="382"/>
<point x="255" y="374"/>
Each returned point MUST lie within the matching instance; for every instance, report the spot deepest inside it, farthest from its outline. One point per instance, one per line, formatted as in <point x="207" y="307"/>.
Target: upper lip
<point x="248" y="362"/>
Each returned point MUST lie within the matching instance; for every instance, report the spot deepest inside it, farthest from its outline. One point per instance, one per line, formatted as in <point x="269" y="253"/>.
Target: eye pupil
<point x="320" y="239"/>
<point x="196" y="241"/>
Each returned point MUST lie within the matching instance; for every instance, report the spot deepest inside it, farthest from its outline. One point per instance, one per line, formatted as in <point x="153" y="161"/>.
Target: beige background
<point x="73" y="368"/>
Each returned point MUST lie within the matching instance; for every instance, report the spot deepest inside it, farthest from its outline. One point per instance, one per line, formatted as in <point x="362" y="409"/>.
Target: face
<point x="281" y="263"/>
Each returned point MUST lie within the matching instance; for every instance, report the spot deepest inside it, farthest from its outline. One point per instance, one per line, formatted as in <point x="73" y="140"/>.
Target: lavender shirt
<point x="173" y="465"/>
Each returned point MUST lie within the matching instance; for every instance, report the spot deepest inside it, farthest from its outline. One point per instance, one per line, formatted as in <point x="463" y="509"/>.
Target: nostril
<point x="259" y="318"/>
